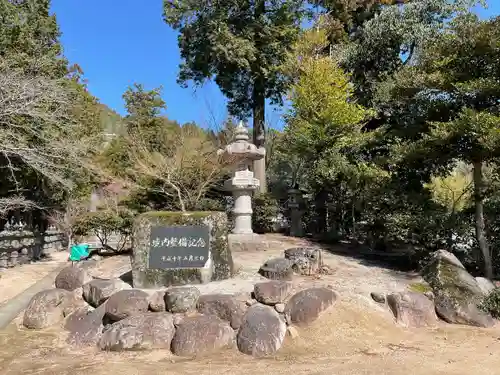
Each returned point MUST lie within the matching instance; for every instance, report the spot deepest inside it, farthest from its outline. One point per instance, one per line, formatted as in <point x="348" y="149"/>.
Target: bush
<point x="107" y="223"/>
<point x="265" y="213"/>
<point x="491" y="303"/>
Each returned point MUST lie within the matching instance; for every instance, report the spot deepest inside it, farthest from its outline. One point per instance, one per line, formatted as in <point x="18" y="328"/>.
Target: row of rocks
<point x="113" y="316"/>
<point x="305" y="261"/>
<point x="455" y="296"/>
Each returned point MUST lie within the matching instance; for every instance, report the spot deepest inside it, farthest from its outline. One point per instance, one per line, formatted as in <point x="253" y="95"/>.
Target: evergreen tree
<point x="241" y="44"/>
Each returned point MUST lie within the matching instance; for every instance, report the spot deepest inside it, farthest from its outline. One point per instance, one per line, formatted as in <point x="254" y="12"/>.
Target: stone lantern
<point x="294" y="200"/>
<point x="241" y="154"/>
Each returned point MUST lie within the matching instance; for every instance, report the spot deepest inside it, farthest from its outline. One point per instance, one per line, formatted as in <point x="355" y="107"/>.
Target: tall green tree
<point x="457" y="76"/>
<point x="241" y="45"/>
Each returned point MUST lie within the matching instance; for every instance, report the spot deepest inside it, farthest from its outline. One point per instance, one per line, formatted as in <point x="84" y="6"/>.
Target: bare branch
<point x="15" y="202"/>
<point x="38" y="129"/>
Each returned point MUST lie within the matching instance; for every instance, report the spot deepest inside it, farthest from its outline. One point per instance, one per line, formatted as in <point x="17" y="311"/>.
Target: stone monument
<point x="241" y="153"/>
<point x="179" y="248"/>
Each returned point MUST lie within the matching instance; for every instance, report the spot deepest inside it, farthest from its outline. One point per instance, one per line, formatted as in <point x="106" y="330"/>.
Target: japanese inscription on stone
<point x="179" y="247"/>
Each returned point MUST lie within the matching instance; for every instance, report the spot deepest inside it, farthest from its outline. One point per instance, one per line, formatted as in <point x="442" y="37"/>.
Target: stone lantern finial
<point x="241" y="133"/>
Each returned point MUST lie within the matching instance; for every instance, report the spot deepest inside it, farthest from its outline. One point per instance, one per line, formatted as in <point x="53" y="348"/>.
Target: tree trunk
<point x="259" y="103"/>
<point x="479" y="218"/>
<point x="259" y="166"/>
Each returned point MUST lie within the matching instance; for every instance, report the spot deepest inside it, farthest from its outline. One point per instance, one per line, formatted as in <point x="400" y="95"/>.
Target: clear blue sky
<point x="121" y="42"/>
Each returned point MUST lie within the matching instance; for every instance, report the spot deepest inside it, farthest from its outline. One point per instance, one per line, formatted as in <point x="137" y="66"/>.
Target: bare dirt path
<point x="355" y="337"/>
<point x="15" y="280"/>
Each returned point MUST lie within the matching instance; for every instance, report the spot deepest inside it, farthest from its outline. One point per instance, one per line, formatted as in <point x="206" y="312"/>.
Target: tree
<point x="241" y="44"/>
<point x="325" y="125"/>
<point x="47" y="118"/>
<point x="185" y="169"/>
<point x="458" y="72"/>
<point x="67" y="218"/>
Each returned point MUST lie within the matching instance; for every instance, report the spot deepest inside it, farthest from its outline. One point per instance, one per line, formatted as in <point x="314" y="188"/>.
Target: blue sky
<point x="118" y="43"/>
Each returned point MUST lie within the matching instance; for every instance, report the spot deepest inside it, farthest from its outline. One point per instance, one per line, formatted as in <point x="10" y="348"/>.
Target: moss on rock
<point x="419" y="287"/>
<point x="221" y="262"/>
<point x="457" y="293"/>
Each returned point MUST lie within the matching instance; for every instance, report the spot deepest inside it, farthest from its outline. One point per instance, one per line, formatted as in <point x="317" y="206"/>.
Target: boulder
<point x="126" y="303"/>
<point x="157" y="301"/>
<point x="218" y="266"/>
<point x="307" y="305"/>
<point x="201" y="335"/>
<point x="306" y="260"/>
<point x="272" y="292"/>
<point x="277" y="269"/>
<point x="224" y="306"/>
<point x="262" y="331"/>
<point x="85" y="326"/>
<point x="485" y="285"/>
<point x="181" y="299"/>
<point x="457" y="294"/>
<point x="49" y="307"/>
<point x="71" y="278"/>
<point x="139" y="332"/>
<point x="412" y="309"/>
<point x="97" y="291"/>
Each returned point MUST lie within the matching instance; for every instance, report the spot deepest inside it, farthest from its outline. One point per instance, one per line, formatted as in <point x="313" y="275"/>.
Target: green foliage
<point x="104" y="224"/>
<point x="491" y="303"/>
<point x="239" y="43"/>
<point x="265" y="212"/>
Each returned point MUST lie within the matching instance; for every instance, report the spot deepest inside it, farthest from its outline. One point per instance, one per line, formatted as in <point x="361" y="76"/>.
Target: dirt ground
<point x="355" y="337"/>
<point x="14" y="280"/>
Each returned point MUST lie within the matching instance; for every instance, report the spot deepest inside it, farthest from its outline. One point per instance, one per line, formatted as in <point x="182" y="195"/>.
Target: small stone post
<point x="4" y="260"/>
<point x="241" y="153"/>
<point x="14" y="258"/>
<point x="294" y="199"/>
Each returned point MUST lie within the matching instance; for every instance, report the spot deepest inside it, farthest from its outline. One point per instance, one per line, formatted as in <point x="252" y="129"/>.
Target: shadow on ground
<point x="403" y="261"/>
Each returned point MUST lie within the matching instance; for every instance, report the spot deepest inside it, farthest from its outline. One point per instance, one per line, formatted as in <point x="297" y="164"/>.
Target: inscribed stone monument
<point x="176" y="248"/>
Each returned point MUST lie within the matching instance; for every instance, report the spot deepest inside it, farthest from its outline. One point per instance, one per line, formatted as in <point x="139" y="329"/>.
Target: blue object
<point x="79" y="252"/>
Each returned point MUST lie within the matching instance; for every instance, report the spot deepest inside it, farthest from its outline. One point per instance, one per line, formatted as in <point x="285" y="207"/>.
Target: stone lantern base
<point x="250" y="242"/>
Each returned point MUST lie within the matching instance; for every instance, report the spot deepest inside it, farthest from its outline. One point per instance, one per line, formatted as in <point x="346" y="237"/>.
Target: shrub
<point x="491" y="303"/>
<point x="265" y="213"/>
<point x="107" y="223"/>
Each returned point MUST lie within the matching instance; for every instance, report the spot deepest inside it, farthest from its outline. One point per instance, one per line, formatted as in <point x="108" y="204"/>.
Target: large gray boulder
<point x="85" y="326"/>
<point x="181" y="299"/>
<point x="306" y="260"/>
<point x="457" y="293"/>
<point x="97" y="291"/>
<point x="50" y="307"/>
<point x="126" y="303"/>
<point x="277" y="269"/>
<point x="272" y="292"/>
<point x="262" y="331"/>
<point x="224" y="306"/>
<point x="71" y="278"/>
<point x="412" y="309"/>
<point x="139" y="332"/>
<point x="307" y="305"/>
<point x="201" y="335"/>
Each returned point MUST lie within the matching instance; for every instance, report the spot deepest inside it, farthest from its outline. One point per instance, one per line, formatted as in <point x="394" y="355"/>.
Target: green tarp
<point x="79" y="252"/>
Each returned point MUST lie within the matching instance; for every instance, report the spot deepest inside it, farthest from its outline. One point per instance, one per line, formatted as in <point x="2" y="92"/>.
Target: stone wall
<point x="19" y="246"/>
